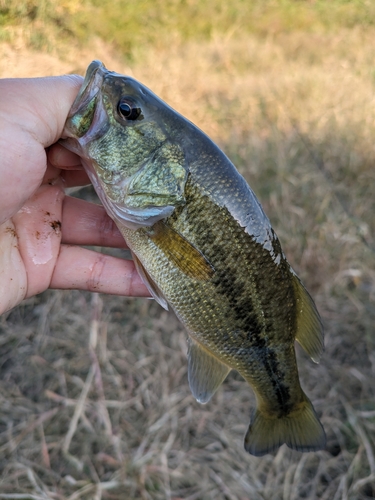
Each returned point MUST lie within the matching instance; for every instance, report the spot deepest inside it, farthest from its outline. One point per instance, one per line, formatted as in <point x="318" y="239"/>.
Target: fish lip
<point x="97" y="127"/>
<point x="89" y="91"/>
<point x="90" y="87"/>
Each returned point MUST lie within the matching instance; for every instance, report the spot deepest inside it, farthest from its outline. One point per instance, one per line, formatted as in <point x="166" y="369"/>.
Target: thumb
<point x="40" y="105"/>
<point x="32" y="116"/>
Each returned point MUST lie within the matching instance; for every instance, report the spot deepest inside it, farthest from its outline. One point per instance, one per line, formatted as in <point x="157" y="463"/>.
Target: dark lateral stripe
<point x="282" y="392"/>
<point x="234" y="253"/>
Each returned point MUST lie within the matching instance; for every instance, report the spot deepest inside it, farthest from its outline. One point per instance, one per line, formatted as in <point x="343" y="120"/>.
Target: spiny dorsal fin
<point x="309" y="325"/>
<point x="150" y="284"/>
<point x="181" y="252"/>
<point x="205" y="372"/>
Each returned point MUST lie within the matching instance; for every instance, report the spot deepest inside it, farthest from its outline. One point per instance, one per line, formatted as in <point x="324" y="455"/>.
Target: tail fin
<point x="301" y="430"/>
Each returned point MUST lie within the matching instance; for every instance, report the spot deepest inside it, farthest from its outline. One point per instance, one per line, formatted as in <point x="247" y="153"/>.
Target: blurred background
<point x="94" y="399"/>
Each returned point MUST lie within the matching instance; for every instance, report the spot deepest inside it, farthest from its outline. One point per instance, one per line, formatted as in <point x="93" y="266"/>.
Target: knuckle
<point x="96" y="274"/>
<point x="107" y="228"/>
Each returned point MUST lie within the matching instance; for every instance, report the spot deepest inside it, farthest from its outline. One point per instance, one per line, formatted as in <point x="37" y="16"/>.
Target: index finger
<point x="32" y="116"/>
<point x="60" y="157"/>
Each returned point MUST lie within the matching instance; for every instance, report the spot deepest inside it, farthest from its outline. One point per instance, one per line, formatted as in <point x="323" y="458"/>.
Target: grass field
<point x="94" y="399"/>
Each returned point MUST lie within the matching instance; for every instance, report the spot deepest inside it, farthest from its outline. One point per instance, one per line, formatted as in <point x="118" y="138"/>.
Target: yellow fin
<point x="309" y="325"/>
<point x="150" y="284"/>
<point x="205" y="372"/>
<point x="301" y="430"/>
<point x="182" y="253"/>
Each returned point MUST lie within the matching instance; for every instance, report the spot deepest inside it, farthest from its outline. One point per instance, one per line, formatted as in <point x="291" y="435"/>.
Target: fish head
<point x="124" y="135"/>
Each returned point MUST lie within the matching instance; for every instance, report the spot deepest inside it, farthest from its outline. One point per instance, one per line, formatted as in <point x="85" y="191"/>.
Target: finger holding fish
<point x="86" y="223"/>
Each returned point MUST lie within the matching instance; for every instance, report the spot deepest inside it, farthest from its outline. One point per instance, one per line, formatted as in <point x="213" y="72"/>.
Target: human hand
<point x="41" y="229"/>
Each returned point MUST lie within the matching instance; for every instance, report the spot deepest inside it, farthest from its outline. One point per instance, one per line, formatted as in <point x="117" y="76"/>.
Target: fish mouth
<point x="87" y="117"/>
<point x="90" y="87"/>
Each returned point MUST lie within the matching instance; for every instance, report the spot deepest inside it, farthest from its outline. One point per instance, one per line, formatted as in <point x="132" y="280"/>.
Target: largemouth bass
<point x="203" y="245"/>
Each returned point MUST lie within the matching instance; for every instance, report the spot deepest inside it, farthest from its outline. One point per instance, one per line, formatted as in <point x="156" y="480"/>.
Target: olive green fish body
<point x="245" y="318"/>
<point x="203" y="245"/>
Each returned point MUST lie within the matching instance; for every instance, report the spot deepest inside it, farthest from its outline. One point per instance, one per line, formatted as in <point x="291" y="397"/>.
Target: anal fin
<point x="205" y="372"/>
<point x="309" y="325"/>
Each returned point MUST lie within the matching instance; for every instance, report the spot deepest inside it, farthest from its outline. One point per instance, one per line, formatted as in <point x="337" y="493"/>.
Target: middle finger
<point x="85" y="223"/>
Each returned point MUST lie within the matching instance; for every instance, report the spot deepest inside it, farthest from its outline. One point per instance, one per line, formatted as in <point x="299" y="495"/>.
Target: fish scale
<point x="203" y="246"/>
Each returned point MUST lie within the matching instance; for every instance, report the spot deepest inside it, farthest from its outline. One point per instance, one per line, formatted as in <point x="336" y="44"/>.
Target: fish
<point x="203" y="246"/>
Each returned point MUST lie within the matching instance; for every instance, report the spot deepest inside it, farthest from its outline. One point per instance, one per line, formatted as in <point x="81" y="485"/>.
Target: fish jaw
<point x="87" y="119"/>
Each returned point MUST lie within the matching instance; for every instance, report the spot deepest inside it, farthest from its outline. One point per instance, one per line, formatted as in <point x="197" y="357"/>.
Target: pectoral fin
<point x="150" y="284"/>
<point x="181" y="252"/>
<point x="205" y="372"/>
<point x="309" y="326"/>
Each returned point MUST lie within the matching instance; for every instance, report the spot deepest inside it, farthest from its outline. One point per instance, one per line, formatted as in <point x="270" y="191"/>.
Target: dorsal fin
<point x="205" y="372"/>
<point x="150" y="284"/>
<point x="309" y="325"/>
<point x="181" y="252"/>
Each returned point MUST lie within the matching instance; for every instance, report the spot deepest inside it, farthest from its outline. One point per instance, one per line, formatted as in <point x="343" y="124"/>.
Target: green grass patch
<point x="133" y="23"/>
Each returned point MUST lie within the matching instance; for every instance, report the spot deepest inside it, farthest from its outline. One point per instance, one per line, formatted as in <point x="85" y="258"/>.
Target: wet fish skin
<point x="203" y="245"/>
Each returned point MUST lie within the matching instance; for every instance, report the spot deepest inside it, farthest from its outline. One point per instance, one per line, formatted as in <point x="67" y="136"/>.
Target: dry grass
<point x="94" y="396"/>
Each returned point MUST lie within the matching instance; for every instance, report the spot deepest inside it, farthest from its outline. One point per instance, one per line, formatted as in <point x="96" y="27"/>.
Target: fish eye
<point x="128" y="109"/>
